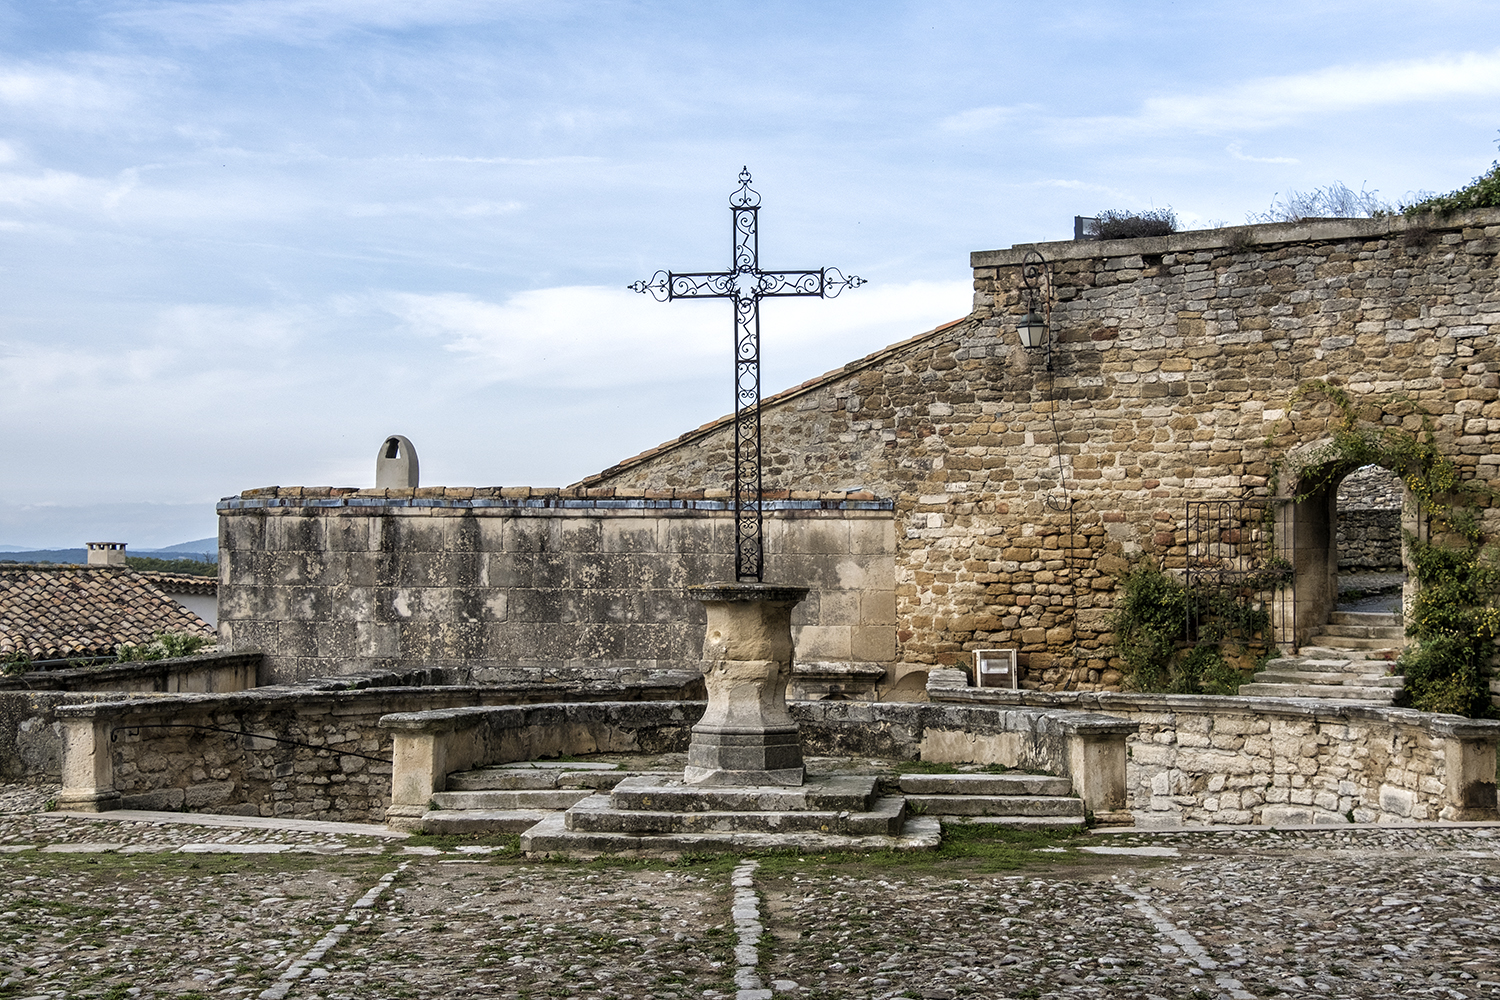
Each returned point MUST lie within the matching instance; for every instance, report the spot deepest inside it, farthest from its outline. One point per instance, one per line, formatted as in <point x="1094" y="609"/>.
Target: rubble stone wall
<point x="1369" y="540"/>
<point x="533" y="584"/>
<point x="1024" y="491"/>
<point x="1204" y="761"/>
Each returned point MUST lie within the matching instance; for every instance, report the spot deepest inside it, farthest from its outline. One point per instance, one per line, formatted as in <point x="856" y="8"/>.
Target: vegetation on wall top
<point x="1120" y="225"/>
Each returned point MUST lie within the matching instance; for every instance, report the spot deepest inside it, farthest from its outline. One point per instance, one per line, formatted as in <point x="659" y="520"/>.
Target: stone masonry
<point x="533" y="585"/>
<point x="1021" y="494"/>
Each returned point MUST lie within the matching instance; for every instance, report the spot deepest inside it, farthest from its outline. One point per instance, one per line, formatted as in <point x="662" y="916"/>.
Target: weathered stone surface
<point x="746" y="736"/>
<point x="543" y="587"/>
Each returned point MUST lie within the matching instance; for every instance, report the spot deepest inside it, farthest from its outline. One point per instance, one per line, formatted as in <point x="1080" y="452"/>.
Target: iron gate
<point x="1230" y="558"/>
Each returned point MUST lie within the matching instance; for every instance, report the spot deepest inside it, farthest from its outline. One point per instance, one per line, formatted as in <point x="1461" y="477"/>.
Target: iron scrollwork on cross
<point x="746" y="284"/>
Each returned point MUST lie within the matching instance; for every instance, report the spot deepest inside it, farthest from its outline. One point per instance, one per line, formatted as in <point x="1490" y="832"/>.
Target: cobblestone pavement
<point x="105" y="909"/>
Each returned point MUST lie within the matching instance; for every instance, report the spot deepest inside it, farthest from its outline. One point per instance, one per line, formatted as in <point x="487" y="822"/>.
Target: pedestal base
<point x="720" y="757"/>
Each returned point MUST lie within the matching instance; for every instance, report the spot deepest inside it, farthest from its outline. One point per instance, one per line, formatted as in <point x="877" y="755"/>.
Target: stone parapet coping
<point x="1319" y="709"/>
<point x="538" y="498"/>
<point x="354" y="697"/>
<point x="74" y="678"/>
<point x="1260" y="237"/>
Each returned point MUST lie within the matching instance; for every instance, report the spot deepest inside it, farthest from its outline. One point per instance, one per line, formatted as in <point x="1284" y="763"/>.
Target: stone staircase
<point x="1350" y="658"/>
<point x="1034" y="801"/>
<point x="512" y="798"/>
<point x="599" y="806"/>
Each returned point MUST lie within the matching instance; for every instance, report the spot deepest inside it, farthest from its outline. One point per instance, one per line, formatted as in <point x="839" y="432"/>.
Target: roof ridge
<point x="698" y="433"/>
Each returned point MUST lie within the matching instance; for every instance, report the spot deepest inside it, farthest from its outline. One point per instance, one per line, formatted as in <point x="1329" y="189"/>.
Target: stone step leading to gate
<point x="1383" y="696"/>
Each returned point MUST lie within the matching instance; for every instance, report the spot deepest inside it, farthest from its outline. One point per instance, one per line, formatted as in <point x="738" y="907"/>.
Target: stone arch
<point x="1307" y="537"/>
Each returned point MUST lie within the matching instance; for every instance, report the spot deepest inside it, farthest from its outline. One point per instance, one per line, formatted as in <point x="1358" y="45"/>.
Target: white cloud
<point x="1271" y="101"/>
<point x="590" y="337"/>
<point x="1235" y="150"/>
<point x="301" y="21"/>
<point x="981" y="119"/>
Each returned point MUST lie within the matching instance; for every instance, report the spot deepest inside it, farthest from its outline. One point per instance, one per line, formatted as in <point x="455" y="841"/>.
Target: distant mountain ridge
<point x="204" y="550"/>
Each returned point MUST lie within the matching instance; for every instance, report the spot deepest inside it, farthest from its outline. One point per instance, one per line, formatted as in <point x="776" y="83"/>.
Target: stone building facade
<point x="1022" y="492"/>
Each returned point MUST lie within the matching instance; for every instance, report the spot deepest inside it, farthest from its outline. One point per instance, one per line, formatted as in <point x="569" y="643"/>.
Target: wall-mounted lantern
<point x="1034" y="328"/>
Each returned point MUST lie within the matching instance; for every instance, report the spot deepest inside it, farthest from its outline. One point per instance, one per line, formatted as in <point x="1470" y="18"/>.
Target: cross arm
<point x="824" y="283"/>
<point x="667" y="285"/>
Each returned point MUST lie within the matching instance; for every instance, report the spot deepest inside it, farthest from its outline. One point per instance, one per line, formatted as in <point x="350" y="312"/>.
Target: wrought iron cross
<point x="746" y="284"/>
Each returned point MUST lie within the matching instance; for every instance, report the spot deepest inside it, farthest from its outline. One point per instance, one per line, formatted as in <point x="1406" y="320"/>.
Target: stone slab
<point x="597" y="815"/>
<point x="537" y="798"/>
<point x="440" y="821"/>
<point x="985" y="784"/>
<point x="550" y="836"/>
<point x="1059" y="807"/>
<point x="824" y="793"/>
<point x="238" y="822"/>
<point x="1014" y="822"/>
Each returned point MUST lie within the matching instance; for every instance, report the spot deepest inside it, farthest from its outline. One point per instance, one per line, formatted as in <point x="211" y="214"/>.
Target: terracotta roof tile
<point x="53" y="611"/>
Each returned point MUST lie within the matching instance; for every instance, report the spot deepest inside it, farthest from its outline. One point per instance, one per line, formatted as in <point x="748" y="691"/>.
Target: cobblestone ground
<point x="118" y="910"/>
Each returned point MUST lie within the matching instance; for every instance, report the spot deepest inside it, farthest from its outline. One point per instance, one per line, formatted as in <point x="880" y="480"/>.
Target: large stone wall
<point x="1022" y="493"/>
<point x="533" y="584"/>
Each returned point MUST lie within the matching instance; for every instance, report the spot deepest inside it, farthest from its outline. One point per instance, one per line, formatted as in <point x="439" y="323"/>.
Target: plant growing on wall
<point x="1118" y="225"/>
<point x="1455" y="617"/>
<point x="1173" y="639"/>
<point x="163" y="646"/>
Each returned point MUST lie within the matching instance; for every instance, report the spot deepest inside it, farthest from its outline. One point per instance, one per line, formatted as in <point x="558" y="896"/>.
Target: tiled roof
<point x="54" y="611"/>
<point x="183" y="583"/>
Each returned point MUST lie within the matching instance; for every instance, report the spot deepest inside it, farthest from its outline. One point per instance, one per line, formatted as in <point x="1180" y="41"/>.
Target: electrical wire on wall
<point x="1036" y="273"/>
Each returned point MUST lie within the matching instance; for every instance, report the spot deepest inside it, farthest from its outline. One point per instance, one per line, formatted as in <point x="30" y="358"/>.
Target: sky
<point x="243" y="242"/>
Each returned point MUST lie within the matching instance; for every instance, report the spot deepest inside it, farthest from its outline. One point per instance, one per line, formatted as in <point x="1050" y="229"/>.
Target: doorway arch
<point x="1308" y="539"/>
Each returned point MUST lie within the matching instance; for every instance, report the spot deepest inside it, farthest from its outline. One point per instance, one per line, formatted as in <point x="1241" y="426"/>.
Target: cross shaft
<point x="747" y="284"/>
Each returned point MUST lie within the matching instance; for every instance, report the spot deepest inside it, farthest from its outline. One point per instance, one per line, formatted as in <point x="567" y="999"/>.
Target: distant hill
<point x="203" y="550"/>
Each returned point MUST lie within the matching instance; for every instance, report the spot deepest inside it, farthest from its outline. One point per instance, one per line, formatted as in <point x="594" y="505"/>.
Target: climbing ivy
<point x="1455" y="617"/>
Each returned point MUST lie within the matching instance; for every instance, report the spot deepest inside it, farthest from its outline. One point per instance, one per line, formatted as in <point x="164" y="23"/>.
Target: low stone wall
<point x="1200" y="760"/>
<point x="1088" y="747"/>
<point x="311" y="751"/>
<point x="31" y="740"/>
<point x="1369" y="540"/>
<point x="210" y="672"/>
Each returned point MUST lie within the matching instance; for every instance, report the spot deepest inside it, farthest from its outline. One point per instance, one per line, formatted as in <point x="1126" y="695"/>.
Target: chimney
<point x="106" y="553"/>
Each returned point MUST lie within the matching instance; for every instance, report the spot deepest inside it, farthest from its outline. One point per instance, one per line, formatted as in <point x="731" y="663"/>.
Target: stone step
<point x="1379" y="618"/>
<point x="1024" y="822"/>
<point x="552" y="836"/>
<point x="536" y="798"/>
<point x="985" y="784"/>
<point x="1327" y="677"/>
<point x="1357" y="656"/>
<point x="516" y="779"/>
<point x="1348" y="642"/>
<point x="820" y="793"/>
<point x="1363" y="631"/>
<point x="1051" y="806"/>
<point x="595" y="814"/>
<point x="1383" y="696"/>
<point x="446" y="821"/>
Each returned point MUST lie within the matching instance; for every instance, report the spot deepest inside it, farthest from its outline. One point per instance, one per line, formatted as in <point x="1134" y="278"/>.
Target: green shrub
<point x="1173" y="640"/>
<point x="1482" y="192"/>
<point x="163" y="646"/>
<point x="193" y="567"/>
<point x="1454" y="620"/>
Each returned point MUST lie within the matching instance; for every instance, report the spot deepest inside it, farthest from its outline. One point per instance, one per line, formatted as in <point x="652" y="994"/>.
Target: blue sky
<point x="240" y="243"/>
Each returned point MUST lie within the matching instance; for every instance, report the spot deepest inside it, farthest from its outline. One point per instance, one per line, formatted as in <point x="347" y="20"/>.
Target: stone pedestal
<point x="747" y="736"/>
